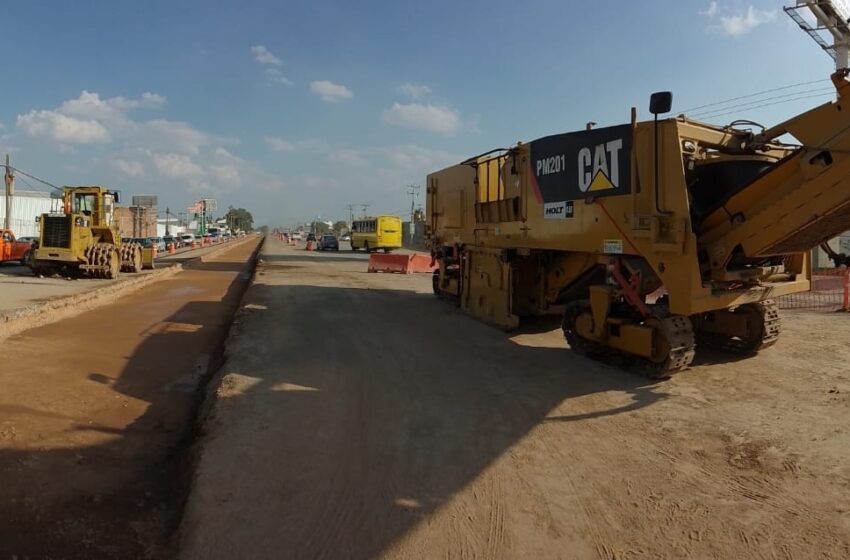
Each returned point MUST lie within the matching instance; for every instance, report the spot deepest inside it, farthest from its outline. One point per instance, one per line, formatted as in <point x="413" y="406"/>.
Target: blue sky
<point x="296" y="109"/>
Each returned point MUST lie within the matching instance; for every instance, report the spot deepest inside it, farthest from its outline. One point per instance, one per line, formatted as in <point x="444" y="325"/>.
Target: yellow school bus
<point x="371" y="234"/>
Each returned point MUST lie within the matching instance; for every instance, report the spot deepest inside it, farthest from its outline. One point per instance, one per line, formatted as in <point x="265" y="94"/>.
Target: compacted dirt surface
<point x="94" y="411"/>
<point x="357" y="416"/>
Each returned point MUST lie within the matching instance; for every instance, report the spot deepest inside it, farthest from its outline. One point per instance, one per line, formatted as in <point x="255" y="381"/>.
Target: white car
<point x="187" y="238"/>
<point x="296" y="235"/>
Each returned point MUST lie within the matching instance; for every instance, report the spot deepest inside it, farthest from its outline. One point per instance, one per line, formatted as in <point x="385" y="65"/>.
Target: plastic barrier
<point x="309" y="246"/>
<point x="171" y="248"/>
<point x="422" y="263"/>
<point x="403" y="264"/>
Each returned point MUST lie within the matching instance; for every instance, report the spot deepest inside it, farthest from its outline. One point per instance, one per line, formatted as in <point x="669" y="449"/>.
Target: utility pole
<point x="413" y="191"/>
<point x="365" y="207"/>
<point x="10" y="190"/>
<point x="350" y="215"/>
<point x="167" y="214"/>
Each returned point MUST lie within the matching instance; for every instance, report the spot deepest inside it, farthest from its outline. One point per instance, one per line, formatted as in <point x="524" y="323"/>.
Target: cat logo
<point x="575" y="165"/>
<point x="599" y="168"/>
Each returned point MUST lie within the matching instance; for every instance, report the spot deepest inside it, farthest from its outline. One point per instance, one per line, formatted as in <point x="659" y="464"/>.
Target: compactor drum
<point x="82" y="236"/>
<point x="650" y="238"/>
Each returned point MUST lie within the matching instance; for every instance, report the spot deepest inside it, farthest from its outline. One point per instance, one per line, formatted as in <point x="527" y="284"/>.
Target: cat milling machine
<point x="649" y="237"/>
<point x="82" y="235"/>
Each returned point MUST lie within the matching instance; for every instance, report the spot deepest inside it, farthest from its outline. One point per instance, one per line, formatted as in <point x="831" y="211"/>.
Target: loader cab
<point x="95" y="203"/>
<point x="85" y="203"/>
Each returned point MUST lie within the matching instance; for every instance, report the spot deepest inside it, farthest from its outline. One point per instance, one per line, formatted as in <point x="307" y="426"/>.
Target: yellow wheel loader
<point x="650" y="238"/>
<point x="82" y="236"/>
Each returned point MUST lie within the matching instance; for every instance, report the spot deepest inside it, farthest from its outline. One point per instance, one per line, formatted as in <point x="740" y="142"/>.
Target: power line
<point x="767" y="105"/>
<point x="822" y="91"/>
<point x="22" y="172"/>
<point x="751" y="95"/>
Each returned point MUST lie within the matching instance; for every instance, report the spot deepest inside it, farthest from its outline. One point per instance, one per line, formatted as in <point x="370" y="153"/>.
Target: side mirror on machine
<point x="660" y="102"/>
<point x="117" y="199"/>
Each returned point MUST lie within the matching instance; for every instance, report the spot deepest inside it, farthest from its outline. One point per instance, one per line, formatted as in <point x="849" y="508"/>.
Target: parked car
<point x="160" y="244"/>
<point x="328" y="242"/>
<point x="346" y="238"/>
<point x="187" y="239"/>
<point x="145" y="242"/>
<point x="172" y="240"/>
<point x="12" y="249"/>
<point x="296" y="236"/>
<point x="28" y="238"/>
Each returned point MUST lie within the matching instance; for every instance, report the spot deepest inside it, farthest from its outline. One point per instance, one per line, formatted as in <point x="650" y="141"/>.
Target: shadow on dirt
<point x="120" y="498"/>
<point x="405" y="400"/>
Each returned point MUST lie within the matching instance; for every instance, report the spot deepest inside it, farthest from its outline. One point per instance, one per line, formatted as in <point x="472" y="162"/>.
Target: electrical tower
<point x="413" y="191"/>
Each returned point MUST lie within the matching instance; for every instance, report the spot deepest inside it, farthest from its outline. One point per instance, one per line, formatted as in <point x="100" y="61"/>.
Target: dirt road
<point x="20" y="290"/>
<point x="93" y="411"/>
<point x="359" y="417"/>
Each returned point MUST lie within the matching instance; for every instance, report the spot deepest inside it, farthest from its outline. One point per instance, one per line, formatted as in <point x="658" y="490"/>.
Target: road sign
<point x="146" y="201"/>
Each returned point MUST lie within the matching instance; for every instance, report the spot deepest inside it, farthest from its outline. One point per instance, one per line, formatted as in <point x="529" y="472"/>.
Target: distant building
<point x="136" y="221"/>
<point x="26" y="206"/>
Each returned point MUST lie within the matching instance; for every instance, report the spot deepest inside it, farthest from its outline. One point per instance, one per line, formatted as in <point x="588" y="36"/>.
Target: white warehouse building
<point x="26" y="206"/>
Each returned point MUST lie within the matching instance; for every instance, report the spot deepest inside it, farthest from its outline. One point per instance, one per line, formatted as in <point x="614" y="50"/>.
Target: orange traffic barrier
<point x="422" y="263"/>
<point x="171" y="248"/>
<point x="153" y="250"/>
<point x="308" y="246"/>
<point x="403" y="264"/>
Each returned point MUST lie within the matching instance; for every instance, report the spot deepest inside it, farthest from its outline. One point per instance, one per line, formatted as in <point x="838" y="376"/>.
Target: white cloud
<point x="276" y="76"/>
<point x="176" y="166"/>
<point x="280" y="144"/>
<point x="148" y="100"/>
<point x="710" y="11"/>
<point x="87" y="119"/>
<point x="415" y="91"/>
<point x="405" y="157"/>
<point x="330" y="92"/>
<point x="742" y="23"/>
<point x="226" y="174"/>
<point x="62" y="128"/>
<point x="265" y="56"/>
<point x="349" y="157"/>
<point x="179" y="162"/>
<point x="173" y="135"/>
<point x="432" y="118"/>
<point x="283" y="145"/>
<point x="129" y="167"/>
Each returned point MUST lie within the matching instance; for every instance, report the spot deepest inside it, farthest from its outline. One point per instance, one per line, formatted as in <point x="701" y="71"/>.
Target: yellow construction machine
<point x="82" y="235"/>
<point x="650" y="238"/>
